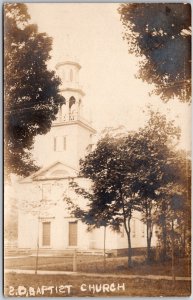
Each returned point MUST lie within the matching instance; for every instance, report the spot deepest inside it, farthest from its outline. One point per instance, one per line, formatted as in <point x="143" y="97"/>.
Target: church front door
<point x="73" y="233"/>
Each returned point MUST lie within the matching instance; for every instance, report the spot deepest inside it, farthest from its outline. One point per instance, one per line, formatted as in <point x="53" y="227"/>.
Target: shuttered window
<point x="72" y="233"/>
<point x="46" y="226"/>
<point x="59" y="143"/>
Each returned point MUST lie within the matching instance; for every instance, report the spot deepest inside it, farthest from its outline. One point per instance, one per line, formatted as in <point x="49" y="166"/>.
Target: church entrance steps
<point x="50" y="252"/>
<point x="67" y="252"/>
<point x="10" y="251"/>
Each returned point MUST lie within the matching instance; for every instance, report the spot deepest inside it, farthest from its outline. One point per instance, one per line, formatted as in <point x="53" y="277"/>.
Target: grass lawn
<point x="67" y="286"/>
<point x="95" y="264"/>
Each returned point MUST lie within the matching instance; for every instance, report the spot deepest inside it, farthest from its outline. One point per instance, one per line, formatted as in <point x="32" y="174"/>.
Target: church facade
<point x="44" y="219"/>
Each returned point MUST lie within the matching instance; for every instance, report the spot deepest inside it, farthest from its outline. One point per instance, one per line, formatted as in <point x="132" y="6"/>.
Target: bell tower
<point x="68" y="71"/>
<point x="70" y="137"/>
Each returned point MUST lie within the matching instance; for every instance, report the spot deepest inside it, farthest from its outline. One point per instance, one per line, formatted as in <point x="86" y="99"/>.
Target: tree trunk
<point x="164" y="230"/>
<point x="37" y="250"/>
<point x="149" y="233"/>
<point x="104" y="248"/>
<point x="128" y="232"/>
<point x="129" y="244"/>
<point x="172" y="236"/>
<point x="37" y="256"/>
<point x="184" y="240"/>
<point x="164" y="237"/>
<point x="148" y="244"/>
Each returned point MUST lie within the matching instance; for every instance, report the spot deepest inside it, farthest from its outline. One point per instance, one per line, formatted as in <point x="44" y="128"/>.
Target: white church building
<point x="44" y="218"/>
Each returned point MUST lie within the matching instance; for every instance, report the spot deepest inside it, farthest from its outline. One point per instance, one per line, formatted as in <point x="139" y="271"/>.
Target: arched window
<point x="72" y="101"/>
<point x="72" y="111"/>
<point x="71" y="75"/>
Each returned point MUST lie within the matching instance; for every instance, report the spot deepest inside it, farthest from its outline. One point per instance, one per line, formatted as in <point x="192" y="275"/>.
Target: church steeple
<point x="68" y="71"/>
<point x="71" y="135"/>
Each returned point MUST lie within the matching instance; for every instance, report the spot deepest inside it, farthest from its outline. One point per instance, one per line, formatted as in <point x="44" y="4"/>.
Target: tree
<point x="127" y="173"/>
<point x="31" y="91"/>
<point x="175" y="206"/>
<point x="160" y="33"/>
<point x="155" y="166"/>
<point x="111" y="200"/>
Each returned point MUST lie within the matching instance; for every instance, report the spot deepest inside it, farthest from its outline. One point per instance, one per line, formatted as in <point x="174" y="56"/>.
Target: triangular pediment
<point x="55" y="171"/>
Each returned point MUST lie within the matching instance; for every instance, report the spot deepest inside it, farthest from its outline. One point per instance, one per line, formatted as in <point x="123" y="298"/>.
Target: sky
<point x="92" y="34"/>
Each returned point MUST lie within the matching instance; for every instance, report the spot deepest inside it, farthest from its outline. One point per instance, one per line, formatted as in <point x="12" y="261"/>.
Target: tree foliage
<point x="174" y="207"/>
<point x="127" y="173"/>
<point x="160" y="33"/>
<point x="31" y="91"/>
<point x="111" y="200"/>
<point x="156" y="161"/>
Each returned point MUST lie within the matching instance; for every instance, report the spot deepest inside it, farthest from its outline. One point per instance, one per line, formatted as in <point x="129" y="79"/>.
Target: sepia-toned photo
<point x="97" y="149"/>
